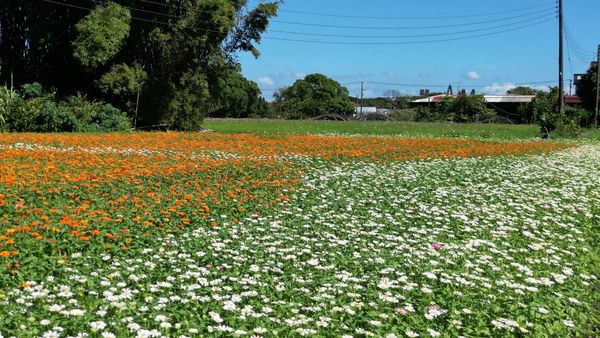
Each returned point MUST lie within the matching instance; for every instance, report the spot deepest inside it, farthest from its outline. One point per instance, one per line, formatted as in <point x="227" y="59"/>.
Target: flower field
<point x="189" y="235"/>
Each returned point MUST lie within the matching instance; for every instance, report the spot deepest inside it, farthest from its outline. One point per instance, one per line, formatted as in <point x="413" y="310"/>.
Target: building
<point x="506" y="106"/>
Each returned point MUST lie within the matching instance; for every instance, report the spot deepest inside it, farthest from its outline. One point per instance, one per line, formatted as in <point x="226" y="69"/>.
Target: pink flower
<point x="436" y="246"/>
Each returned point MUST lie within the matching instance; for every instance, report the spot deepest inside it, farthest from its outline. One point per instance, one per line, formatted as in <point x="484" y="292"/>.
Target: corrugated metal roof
<point x="499" y="99"/>
<point x="508" y="98"/>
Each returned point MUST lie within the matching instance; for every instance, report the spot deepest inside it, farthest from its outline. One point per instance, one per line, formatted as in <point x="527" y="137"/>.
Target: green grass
<point x="406" y="129"/>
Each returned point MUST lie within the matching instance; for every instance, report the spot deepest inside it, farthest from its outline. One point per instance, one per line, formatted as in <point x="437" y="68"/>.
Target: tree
<point x="315" y="95"/>
<point x="125" y="82"/>
<point x="184" y="46"/>
<point x="545" y="108"/>
<point x="587" y="88"/>
<point x="471" y="108"/>
<point x="523" y="90"/>
<point x="101" y="34"/>
<point x="239" y="98"/>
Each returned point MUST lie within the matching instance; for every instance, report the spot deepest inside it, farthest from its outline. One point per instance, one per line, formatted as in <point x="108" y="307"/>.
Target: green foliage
<point x="587" y="88"/>
<point x="101" y="34"/>
<point x="190" y="102"/>
<point x="94" y="116"/>
<point x="523" y="90"/>
<point x="238" y="97"/>
<point x="471" y="108"/>
<point x="251" y="26"/>
<point x="123" y="80"/>
<point x="30" y="90"/>
<point x="462" y="109"/>
<point x="315" y="95"/>
<point x="8" y="100"/>
<point x="197" y="46"/>
<point x="404" y="129"/>
<point x="44" y="113"/>
<point x="424" y="114"/>
<point x="126" y="84"/>
<point x="552" y="123"/>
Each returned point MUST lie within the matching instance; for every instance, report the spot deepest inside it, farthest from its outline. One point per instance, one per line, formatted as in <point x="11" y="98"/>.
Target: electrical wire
<point x="546" y="11"/>
<point x="321" y="42"/>
<point x="409" y="17"/>
<point x="89" y="9"/>
<point x="407" y="42"/>
<point x="445" y="86"/>
<point x="139" y="9"/>
<point x="577" y="50"/>
<point x="411" y="36"/>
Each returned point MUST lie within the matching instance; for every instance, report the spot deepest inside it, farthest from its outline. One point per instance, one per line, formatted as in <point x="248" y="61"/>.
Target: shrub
<point x="38" y="111"/>
<point x="552" y="123"/>
<point x="54" y="117"/>
<point x="424" y="114"/>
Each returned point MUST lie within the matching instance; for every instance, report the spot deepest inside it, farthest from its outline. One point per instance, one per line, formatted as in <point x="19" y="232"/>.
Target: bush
<point x="33" y="110"/>
<point x="424" y="114"/>
<point x="552" y="123"/>
<point x="567" y="125"/>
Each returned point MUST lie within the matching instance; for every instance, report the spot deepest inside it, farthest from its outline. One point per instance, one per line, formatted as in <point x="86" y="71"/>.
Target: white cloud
<point x="299" y="75"/>
<point x="499" y="88"/>
<point x="472" y="75"/>
<point x="391" y="75"/>
<point x="266" y="80"/>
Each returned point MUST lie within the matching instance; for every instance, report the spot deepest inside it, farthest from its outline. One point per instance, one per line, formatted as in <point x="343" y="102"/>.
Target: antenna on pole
<point x="561" y="90"/>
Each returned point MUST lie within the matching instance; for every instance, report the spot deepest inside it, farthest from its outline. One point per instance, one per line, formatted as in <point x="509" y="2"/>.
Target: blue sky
<point x="490" y="64"/>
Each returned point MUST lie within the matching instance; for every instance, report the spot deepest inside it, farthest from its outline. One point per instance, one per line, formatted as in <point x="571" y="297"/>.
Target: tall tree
<point x="312" y="96"/>
<point x="587" y="88"/>
<point x="184" y="46"/>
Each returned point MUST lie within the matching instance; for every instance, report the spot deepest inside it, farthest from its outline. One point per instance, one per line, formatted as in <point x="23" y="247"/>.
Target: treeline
<point x="170" y="63"/>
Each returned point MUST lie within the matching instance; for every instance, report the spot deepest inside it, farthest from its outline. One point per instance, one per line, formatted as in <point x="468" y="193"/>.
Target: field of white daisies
<point x="499" y="246"/>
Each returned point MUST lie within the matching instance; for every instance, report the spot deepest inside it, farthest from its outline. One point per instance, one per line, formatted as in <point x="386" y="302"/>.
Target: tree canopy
<point x="523" y="90"/>
<point x="587" y="88"/>
<point x="180" y="53"/>
<point x="312" y="96"/>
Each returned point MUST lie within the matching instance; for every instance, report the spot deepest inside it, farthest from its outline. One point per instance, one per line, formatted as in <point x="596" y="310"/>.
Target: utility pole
<point x="561" y="90"/>
<point x="597" y="87"/>
<point x="362" y="91"/>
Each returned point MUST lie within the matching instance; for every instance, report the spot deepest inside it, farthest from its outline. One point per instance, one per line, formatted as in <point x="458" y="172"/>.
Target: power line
<point x="407" y="17"/>
<point x="157" y="3"/>
<point x="445" y="85"/>
<point x="413" y="27"/>
<point x="577" y="50"/>
<point x="411" y="36"/>
<point x="407" y="42"/>
<point x="322" y="42"/>
<point x="139" y="9"/>
<point x="89" y="9"/>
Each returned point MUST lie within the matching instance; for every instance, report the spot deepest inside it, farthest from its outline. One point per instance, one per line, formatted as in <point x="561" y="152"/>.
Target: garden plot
<point x="298" y="246"/>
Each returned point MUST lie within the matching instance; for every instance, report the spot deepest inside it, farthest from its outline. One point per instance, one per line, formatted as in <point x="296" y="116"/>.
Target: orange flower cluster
<point x="389" y="148"/>
<point x="63" y="192"/>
